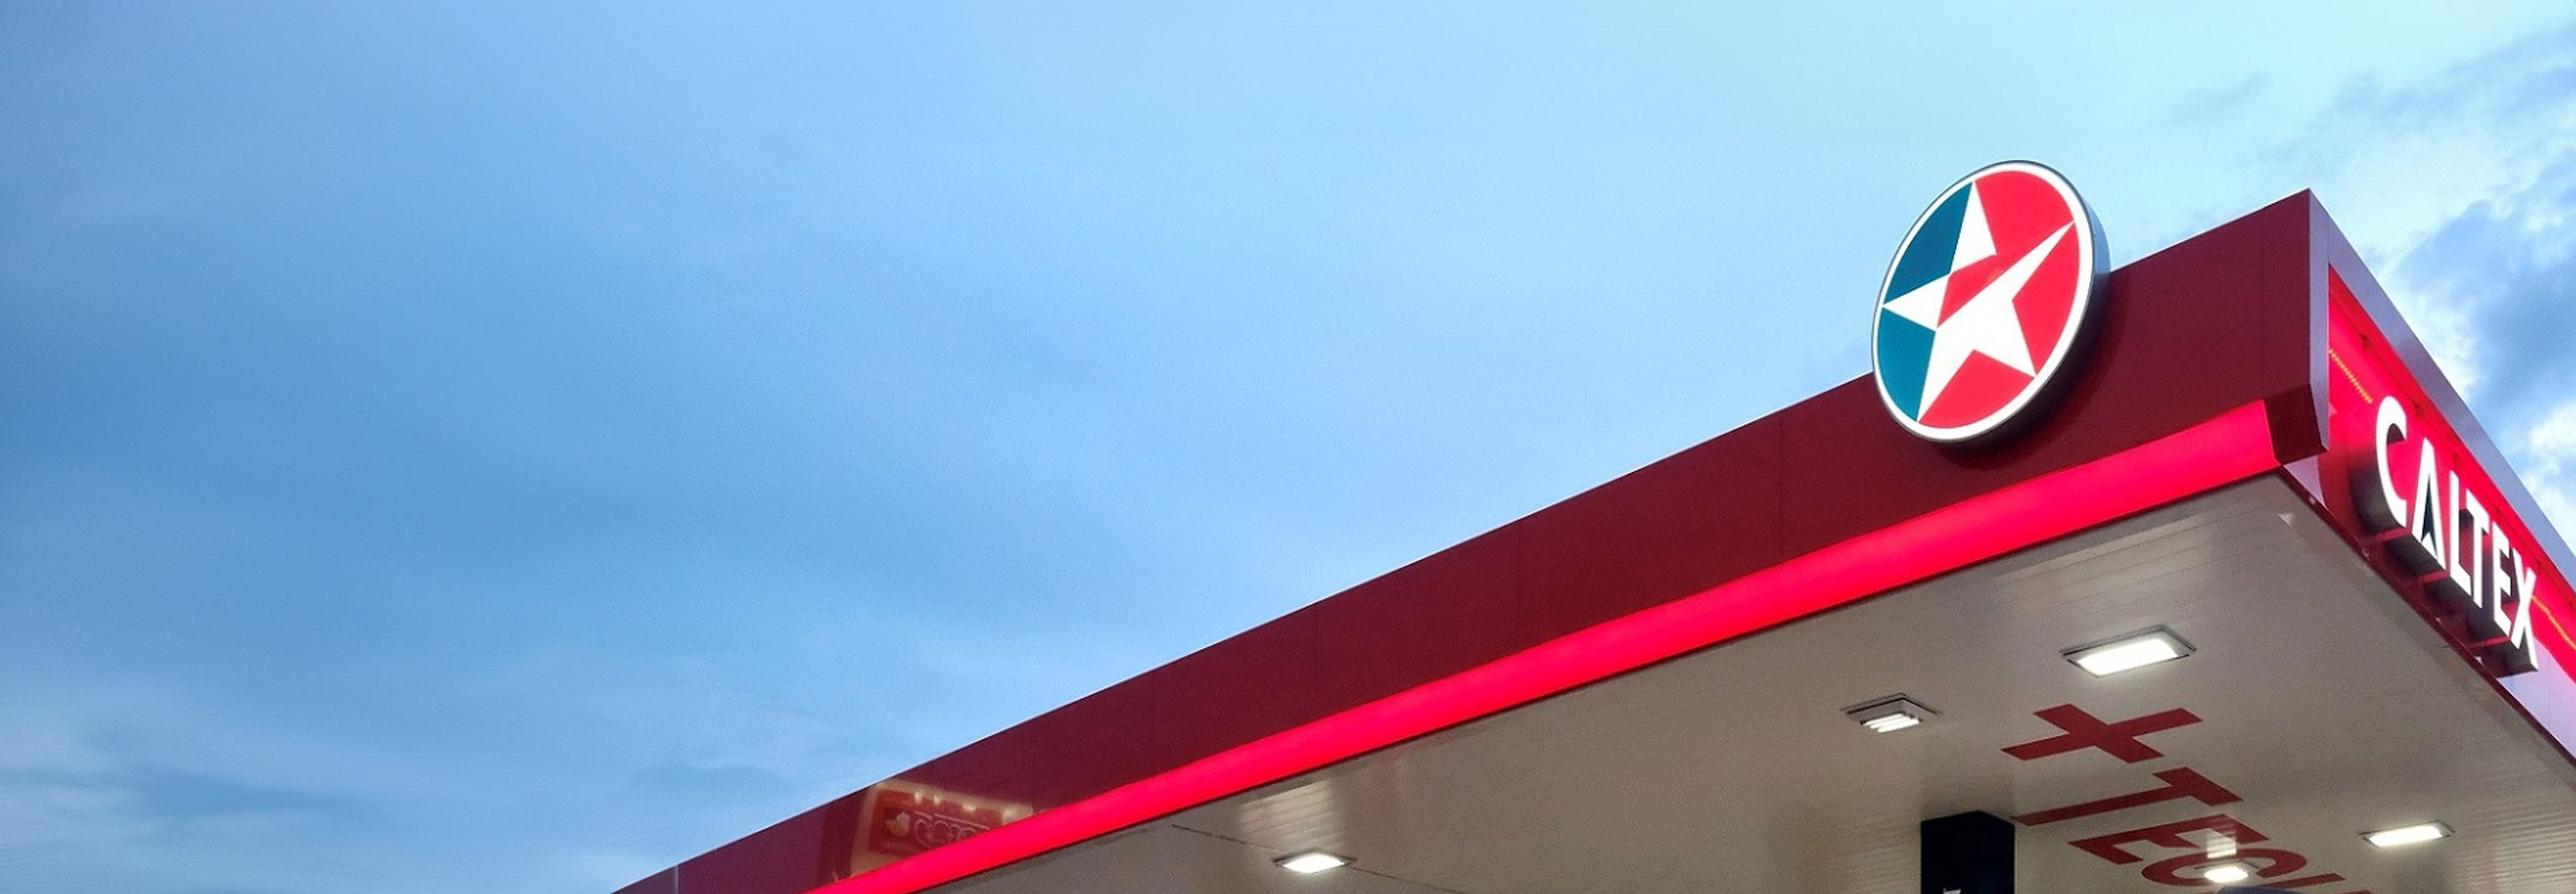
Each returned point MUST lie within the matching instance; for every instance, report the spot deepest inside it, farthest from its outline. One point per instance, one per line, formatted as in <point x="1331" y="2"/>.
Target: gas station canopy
<point x="2246" y="585"/>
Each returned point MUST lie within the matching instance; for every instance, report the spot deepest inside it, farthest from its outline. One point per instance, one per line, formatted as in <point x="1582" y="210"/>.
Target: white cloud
<point x="2549" y="467"/>
<point x="2461" y="189"/>
<point x="2400" y="161"/>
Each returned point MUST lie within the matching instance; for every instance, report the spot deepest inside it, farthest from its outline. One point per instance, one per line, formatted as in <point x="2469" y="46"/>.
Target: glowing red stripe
<point x="2221" y="451"/>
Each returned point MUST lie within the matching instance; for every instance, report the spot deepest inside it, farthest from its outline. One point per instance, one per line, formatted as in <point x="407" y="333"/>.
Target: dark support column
<point x="1967" y="853"/>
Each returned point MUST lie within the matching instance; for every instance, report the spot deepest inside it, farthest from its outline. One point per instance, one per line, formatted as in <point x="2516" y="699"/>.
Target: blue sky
<point x="514" y="447"/>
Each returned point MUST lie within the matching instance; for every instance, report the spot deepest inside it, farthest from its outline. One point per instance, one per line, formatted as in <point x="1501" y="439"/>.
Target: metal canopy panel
<point x="2242" y="381"/>
<point x="2321" y="703"/>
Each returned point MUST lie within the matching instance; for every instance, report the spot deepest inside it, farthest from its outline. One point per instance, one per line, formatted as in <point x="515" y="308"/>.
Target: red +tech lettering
<point x="2083" y="730"/>
<point x="2180" y="782"/>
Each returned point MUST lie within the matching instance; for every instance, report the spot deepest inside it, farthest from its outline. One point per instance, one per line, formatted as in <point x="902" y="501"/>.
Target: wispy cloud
<point x="2218" y="103"/>
<point x="2485" y="155"/>
<point x="176" y="798"/>
<point x="2550" y="448"/>
<point x="114" y="782"/>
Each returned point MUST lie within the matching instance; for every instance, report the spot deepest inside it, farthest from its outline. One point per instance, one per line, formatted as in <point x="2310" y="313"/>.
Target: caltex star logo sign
<point x="1985" y="300"/>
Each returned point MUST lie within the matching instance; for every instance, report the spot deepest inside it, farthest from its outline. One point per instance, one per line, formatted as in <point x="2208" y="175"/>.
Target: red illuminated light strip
<point x="2232" y="447"/>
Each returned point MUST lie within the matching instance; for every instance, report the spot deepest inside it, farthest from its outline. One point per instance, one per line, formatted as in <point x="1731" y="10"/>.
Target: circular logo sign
<point x="1984" y="301"/>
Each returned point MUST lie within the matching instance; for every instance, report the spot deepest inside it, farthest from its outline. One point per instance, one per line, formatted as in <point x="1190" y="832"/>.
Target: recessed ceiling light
<point x="1310" y="862"/>
<point x="2415" y="834"/>
<point x="1889" y="714"/>
<point x="1892" y="722"/>
<point x="2226" y="873"/>
<point x="2136" y="650"/>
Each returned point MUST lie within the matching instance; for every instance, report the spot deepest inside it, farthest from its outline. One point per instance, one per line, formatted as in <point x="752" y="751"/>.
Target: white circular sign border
<point x="2078" y="314"/>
